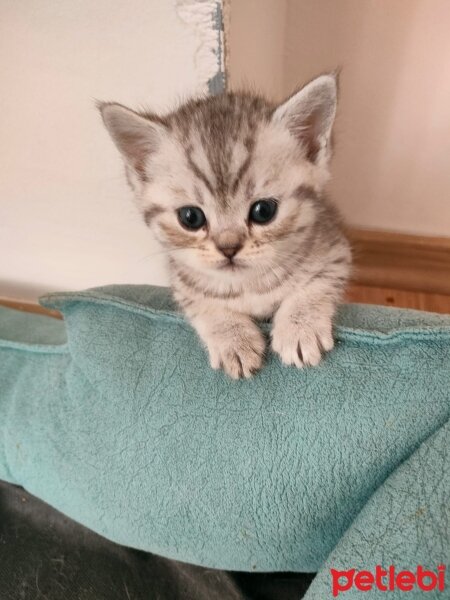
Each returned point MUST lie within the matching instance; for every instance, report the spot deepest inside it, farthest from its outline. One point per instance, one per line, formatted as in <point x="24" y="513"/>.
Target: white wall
<point x="392" y="163"/>
<point x="66" y="216"/>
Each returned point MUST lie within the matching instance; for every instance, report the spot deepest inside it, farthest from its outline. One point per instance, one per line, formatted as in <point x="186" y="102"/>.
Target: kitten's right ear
<point x="309" y="115"/>
<point x="135" y="136"/>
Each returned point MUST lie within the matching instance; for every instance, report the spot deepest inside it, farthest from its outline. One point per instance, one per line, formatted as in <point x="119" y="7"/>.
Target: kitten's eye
<point x="191" y="217"/>
<point x="263" y="211"/>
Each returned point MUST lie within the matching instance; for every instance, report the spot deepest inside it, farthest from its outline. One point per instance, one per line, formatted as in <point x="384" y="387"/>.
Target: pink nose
<point x="229" y="251"/>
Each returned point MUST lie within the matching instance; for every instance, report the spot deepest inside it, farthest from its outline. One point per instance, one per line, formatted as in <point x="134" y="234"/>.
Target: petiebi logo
<point x="388" y="580"/>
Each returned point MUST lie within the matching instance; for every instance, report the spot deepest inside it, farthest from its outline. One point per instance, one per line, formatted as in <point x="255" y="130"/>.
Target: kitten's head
<point x="228" y="183"/>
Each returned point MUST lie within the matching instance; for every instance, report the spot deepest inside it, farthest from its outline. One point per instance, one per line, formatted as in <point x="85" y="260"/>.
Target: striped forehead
<point x="219" y="168"/>
<point x="218" y="137"/>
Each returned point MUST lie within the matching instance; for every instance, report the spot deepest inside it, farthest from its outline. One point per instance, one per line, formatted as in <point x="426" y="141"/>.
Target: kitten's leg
<point x="235" y="344"/>
<point x="302" y="325"/>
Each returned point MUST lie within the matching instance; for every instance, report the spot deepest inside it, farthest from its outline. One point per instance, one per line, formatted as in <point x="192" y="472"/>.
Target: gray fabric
<point x="47" y="556"/>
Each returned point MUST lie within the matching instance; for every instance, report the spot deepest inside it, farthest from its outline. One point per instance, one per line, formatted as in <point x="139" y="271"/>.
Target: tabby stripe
<point x="241" y="172"/>
<point x="198" y="172"/>
<point x="152" y="212"/>
<point x="304" y="192"/>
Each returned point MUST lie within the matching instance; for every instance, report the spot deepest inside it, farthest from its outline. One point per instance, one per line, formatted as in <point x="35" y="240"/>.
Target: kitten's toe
<point x="302" y="344"/>
<point x="242" y="365"/>
<point x="241" y="358"/>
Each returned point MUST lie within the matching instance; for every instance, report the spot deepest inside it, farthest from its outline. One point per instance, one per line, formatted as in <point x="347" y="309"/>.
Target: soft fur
<point x="222" y="154"/>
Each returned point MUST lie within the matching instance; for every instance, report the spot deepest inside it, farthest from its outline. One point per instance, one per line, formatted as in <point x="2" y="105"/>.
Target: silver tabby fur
<point x="222" y="154"/>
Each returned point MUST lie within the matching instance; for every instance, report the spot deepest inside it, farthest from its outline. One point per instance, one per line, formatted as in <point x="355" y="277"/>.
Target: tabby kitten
<point x="232" y="187"/>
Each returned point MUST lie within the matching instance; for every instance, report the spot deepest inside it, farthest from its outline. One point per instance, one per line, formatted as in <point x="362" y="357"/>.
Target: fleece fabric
<point x="115" y="418"/>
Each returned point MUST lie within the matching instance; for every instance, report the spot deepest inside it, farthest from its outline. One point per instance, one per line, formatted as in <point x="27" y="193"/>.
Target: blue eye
<point x="191" y="217"/>
<point x="262" y="211"/>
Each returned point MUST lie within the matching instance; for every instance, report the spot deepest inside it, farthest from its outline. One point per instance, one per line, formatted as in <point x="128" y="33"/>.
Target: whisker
<point x="164" y="251"/>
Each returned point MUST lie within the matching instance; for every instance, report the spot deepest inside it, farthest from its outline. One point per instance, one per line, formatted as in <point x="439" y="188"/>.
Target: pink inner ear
<point x="308" y="128"/>
<point x="309" y="114"/>
<point x="309" y="134"/>
<point x="134" y="135"/>
<point x="137" y="151"/>
<point x="140" y="170"/>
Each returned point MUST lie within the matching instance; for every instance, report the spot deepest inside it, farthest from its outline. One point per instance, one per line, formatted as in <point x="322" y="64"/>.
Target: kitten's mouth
<point x="230" y="265"/>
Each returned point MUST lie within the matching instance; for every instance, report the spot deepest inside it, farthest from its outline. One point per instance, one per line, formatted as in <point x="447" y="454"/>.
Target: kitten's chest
<point x="258" y="305"/>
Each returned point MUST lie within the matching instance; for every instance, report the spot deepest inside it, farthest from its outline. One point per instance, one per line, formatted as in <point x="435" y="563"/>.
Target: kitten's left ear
<point x="136" y="136"/>
<point x="309" y="115"/>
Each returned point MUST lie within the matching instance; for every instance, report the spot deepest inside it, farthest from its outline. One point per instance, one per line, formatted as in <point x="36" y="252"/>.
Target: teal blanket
<point x="125" y="428"/>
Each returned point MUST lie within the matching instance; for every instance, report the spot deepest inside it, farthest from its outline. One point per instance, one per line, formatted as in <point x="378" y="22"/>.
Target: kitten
<point x="232" y="187"/>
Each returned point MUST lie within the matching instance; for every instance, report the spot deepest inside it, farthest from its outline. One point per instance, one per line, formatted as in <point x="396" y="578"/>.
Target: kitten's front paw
<point x="238" y="352"/>
<point x="301" y="342"/>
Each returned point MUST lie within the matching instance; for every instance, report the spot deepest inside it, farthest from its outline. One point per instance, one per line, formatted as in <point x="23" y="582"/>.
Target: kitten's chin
<point x="227" y="272"/>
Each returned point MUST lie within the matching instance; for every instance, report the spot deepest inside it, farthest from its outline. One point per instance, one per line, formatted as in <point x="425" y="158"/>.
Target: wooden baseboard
<point x="364" y="294"/>
<point x="402" y="262"/>
<point x="29" y="307"/>
<point x="387" y="267"/>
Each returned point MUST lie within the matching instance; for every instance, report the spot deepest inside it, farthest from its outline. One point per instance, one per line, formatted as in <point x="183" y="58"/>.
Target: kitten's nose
<point x="229" y="251"/>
